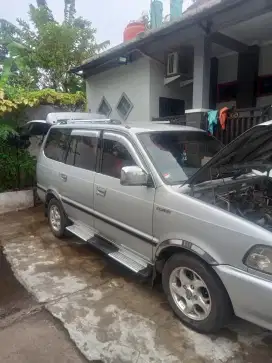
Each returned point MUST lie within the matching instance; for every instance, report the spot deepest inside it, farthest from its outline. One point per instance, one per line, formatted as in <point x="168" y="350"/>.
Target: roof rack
<point x="94" y="121"/>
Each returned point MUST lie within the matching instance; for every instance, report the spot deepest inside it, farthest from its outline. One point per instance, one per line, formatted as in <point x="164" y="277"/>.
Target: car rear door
<point x="78" y="176"/>
<point x="51" y="161"/>
<point x="123" y="213"/>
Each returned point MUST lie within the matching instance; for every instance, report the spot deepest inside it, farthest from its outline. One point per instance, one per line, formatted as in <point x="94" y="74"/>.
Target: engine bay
<point x="250" y="198"/>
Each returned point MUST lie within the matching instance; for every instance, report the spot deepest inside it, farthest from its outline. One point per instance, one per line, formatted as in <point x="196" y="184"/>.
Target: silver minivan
<point x="169" y="201"/>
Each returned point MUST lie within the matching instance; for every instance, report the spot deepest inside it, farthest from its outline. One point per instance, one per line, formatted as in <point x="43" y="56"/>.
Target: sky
<point x="109" y="17"/>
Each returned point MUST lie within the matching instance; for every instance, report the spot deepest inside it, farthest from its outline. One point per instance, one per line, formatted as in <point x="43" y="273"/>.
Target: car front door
<point x="123" y="213"/>
<point x="78" y="176"/>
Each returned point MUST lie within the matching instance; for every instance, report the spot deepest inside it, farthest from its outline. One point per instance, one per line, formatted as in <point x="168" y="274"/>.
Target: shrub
<point x="17" y="166"/>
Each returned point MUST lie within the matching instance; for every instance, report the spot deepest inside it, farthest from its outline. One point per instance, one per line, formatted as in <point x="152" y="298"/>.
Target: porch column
<point x="196" y="117"/>
<point x="201" y="86"/>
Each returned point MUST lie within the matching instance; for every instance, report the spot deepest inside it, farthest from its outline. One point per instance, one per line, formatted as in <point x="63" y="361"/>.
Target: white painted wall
<point x="173" y="90"/>
<point x="132" y="79"/>
<point x="14" y="201"/>
<point x="143" y="83"/>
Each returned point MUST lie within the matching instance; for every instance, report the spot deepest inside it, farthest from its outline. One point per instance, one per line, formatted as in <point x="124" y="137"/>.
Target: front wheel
<point x="56" y="217"/>
<point x="195" y="293"/>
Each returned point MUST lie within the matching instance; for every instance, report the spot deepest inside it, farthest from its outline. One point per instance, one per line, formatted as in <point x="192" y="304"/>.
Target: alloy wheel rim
<point x="190" y="293"/>
<point x="55" y="218"/>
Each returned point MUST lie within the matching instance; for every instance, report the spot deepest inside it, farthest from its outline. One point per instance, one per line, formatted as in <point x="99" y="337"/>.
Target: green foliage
<point x="6" y="131"/>
<point x="17" y="165"/>
<point x="17" y="99"/>
<point x="42" y="50"/>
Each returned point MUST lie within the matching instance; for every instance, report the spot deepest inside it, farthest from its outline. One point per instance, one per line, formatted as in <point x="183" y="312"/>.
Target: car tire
<point x="57" y="218"/>
<point x="195" y="293"/>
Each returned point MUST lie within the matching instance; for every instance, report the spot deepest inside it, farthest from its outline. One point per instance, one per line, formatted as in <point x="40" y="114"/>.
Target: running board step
<point x="119" y="254"/>
<point x="81" y="231"/>
<point x="122" y="256"/>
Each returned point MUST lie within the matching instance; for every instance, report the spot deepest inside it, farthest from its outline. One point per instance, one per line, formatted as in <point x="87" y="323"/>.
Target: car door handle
<point x="101" y="191"/>
<point x="63" y="177"/>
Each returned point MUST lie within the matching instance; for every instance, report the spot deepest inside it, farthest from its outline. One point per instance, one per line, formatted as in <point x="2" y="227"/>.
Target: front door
<point x="123" y="213"/>
<point x="78" y="176"/>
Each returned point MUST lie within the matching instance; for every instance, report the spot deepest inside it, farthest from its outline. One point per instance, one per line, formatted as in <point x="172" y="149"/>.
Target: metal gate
<point x="240" y="120"/>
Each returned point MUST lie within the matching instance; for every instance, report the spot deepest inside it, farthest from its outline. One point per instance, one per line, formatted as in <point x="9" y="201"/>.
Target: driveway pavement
<point x="28" y="333"/>
<point x="110" y="314"/>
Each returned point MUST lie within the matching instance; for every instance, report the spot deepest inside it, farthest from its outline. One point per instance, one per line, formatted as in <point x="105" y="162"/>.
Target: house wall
<point x="227" y="72"/>
<point x="173" y="90"/>
<point x="132" y="79"/>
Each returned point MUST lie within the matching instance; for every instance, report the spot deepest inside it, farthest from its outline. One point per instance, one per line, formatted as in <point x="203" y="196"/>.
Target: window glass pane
<point x="104" y="107"/>
<point x="57" y="144"/>
<point x="178" y="155"/>
<point x="82" y="152"/>
<point x="124" y="106"/>
<point x="115" y="157"/>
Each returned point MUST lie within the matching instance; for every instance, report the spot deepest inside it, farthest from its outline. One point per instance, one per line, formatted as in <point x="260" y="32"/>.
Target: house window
<point x="124" y="106"/>
<point x="104" y="107"/>
<point x="171" y="107"/>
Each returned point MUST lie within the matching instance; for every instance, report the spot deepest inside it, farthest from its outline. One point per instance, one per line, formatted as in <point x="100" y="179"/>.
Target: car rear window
<point x="57" y="144"/>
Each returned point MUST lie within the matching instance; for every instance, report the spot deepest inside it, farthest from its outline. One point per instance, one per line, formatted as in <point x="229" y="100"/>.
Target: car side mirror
<point x="134" y="176"/>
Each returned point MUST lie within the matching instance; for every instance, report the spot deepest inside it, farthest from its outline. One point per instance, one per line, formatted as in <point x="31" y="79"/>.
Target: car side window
<point x="57" y="143"/>
<point x="82" y="152"/>
<point x="115" y="157"/>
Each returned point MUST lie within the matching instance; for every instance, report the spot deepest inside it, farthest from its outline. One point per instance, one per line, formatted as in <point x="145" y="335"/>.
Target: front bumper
<point x="250" y="295"/>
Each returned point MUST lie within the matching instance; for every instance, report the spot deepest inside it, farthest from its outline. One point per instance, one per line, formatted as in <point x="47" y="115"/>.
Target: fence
<point x="240" y="120"/>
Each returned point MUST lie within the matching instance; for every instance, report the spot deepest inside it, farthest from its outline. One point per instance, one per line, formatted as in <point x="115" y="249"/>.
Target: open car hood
<point x="252" y="147"/>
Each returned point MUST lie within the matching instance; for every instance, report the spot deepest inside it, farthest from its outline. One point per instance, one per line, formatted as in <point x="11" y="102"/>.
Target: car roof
<point x="135" y="128"/>
<point x="54" y="117"/>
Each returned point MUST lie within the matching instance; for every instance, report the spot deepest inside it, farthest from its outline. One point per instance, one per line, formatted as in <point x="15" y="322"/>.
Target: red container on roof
<point x="133" y="29"/>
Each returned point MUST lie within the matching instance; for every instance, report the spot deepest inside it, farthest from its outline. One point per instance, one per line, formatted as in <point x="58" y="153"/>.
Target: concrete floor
<point x="28" y="333"/>
<point x="110" y="314"/>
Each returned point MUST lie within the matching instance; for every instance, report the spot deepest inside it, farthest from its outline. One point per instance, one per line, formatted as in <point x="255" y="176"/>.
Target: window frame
<point x="108" y="105"/>
<point x="125" y="142"/>
<point x="130" y="109"/>
<point x="86" y="133"/>
<point x="68" y="130"/>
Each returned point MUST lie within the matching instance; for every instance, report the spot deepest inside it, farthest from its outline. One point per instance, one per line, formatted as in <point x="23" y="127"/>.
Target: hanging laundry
<point x="212" y="120"/>
<point x="223" y="115"/>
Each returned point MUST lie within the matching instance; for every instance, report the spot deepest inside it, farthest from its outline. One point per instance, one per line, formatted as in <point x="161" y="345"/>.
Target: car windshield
<point x="177" y="155"/>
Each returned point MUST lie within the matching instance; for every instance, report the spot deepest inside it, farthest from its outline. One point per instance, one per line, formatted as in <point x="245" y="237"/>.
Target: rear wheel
<point x="195" y="293"/>
<point x="56" y="217"/>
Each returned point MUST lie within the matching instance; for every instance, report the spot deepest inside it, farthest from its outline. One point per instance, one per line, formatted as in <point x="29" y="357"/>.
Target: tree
<point x="44" y="50"/>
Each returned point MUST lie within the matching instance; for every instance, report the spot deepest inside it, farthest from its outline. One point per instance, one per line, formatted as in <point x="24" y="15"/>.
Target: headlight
<point x="260" y="258"/>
